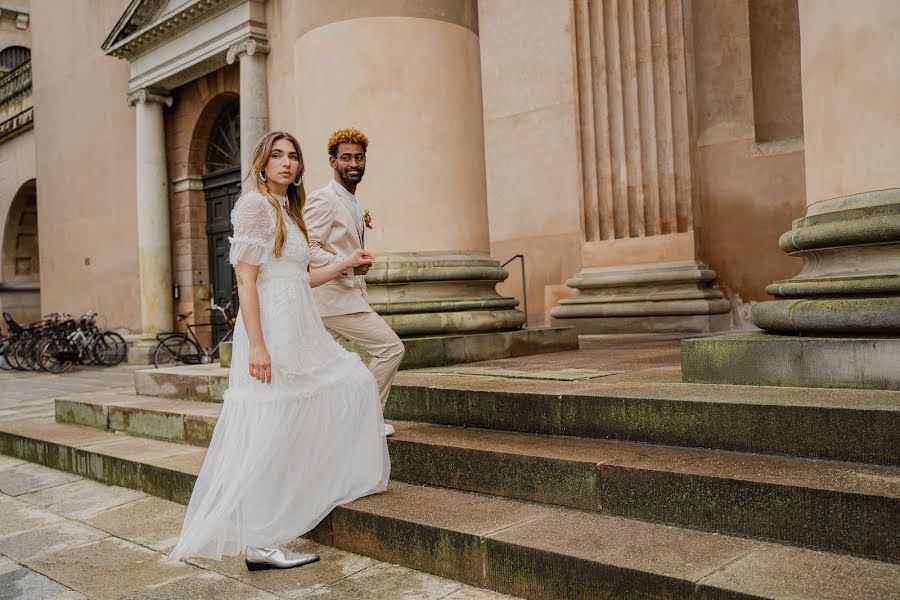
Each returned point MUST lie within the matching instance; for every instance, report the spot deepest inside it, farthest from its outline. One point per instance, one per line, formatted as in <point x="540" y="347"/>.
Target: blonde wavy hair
<point x="296" y="194"/>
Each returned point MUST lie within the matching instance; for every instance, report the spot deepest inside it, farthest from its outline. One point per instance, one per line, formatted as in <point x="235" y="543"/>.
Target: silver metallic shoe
<point x="258" y="559"/>
<point x="388" y="429"/>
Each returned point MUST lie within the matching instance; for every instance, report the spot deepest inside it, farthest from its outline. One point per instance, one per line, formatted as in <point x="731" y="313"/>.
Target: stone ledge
<point x="779" y="360"/>
<point x="442" y="350"/>
<point x="204" y="383"/>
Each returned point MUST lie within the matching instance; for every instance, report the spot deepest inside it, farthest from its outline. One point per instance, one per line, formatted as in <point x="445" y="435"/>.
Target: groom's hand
<point x="361" y="270"/>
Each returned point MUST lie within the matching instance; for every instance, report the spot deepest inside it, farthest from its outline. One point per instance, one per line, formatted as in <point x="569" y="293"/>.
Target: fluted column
<point x="251" y="54"/>
<point x="632" y="78"/>
<point x="849" y="238"/>
<point x="153" y="232"/>
<point x="640" y="269"/>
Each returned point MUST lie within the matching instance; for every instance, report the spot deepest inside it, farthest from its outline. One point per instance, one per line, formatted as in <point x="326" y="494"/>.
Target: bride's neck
<point x="277" y="189"/>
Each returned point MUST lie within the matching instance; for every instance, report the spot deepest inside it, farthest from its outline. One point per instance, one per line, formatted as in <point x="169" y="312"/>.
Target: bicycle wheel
<point x="110" y="349"/>
<point x="55" y="355"/>
<point x="10" y="355"/>
<point x="21" y="354"/>
<point x="175" y="349"/>
<point x="4" y="348"/>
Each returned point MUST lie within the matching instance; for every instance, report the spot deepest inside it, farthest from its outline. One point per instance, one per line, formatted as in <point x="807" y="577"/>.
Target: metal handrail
<point x="521" y="258"/>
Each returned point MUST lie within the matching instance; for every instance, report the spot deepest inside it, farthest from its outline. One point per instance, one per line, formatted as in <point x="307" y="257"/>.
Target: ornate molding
<point x="132" y="44"/>
<point x="17" y="124"/>
<point x="249" y="46"/>
<point x="20" y="15"/>
<point x="142" y="96"/>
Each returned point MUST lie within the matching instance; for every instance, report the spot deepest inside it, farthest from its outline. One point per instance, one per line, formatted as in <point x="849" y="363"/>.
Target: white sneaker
<point x="388" y="429"/>
<point x="258" y="559"/>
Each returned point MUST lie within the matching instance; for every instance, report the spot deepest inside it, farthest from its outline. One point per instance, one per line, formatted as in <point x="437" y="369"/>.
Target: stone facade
<point x="631" y="136"/>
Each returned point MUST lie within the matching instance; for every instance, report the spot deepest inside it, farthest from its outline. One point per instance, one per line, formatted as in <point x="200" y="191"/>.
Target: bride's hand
<point x="361" y="258"/>
<point x="260" y="363"/>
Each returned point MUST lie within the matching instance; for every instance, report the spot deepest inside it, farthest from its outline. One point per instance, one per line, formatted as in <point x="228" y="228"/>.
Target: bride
<point x="301" y="429"/>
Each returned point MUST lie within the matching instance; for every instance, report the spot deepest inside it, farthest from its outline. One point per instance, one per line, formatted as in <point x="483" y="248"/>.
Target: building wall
<point x="16" y="193"/>
<point x="10" y="34"/>
<point x="749" y="179"/>
<point x="84" y="140"/>
<point x="531" y="143"/>
<point x="749" y="192"/>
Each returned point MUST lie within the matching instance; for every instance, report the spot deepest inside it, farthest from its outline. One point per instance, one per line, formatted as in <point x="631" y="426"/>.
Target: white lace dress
<point x="283" y="455"/>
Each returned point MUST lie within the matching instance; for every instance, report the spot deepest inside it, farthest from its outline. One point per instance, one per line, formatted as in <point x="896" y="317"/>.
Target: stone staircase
<point x="611" y="487"/>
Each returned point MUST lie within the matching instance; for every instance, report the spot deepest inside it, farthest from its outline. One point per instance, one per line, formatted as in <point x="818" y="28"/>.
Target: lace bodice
<point x="253" y="219"/>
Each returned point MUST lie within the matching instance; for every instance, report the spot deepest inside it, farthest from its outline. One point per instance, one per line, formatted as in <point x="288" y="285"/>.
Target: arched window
<point x="12" y="57"/>
<point x="224" y="148"/>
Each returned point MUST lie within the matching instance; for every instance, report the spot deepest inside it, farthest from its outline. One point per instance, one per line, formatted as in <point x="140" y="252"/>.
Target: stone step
<point x="166" y="419"/>
<point x="520" y="548"/>
<point x="164" y="469"/>
<point x="846" y="507"/>
<point x="515" y="547"/>
<point x="834" y="424"/>
<point x="204" y="383"/>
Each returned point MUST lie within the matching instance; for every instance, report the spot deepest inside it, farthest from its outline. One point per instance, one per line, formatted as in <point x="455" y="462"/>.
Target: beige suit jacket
<point x="334" y="233"/>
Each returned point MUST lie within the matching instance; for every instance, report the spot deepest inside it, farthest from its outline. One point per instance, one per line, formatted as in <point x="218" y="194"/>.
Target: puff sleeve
<point x="254" y="230"/>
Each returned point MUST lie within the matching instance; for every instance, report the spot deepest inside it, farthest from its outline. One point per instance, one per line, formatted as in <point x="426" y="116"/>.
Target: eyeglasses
<point x="359" y="158"/>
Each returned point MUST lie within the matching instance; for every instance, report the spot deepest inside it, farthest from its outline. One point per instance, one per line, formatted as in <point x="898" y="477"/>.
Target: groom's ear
<point x="332" y="160"/>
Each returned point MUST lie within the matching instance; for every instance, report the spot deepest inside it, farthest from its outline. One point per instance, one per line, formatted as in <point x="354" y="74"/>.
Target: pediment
<point x="138" y="15"/>
<point x="146" y="22"/>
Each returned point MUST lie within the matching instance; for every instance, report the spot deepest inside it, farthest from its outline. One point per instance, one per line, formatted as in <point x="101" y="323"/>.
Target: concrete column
<point x="425" y="182"/>
<point x="836" y="323"/>
<point x="254" y="94"/>
<point x="154" y="243"/>
<point x="849" y="238"/>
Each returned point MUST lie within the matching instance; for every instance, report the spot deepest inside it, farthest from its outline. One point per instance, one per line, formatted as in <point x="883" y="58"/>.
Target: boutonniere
<point x="367" y="219"/>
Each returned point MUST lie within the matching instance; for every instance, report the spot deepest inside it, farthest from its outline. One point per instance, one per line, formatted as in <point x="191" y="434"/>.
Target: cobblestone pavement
<point x="63" y="537"/>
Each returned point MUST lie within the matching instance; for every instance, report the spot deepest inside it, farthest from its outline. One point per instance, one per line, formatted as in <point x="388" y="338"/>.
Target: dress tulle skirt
<point x="283" y="455"/>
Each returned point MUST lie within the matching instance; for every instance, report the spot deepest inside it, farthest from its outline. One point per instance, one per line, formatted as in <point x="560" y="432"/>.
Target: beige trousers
<point x="369" y="331"/>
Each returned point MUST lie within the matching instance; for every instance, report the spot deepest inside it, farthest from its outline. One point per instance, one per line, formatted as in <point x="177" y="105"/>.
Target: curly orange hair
<point x="347" y="136"/>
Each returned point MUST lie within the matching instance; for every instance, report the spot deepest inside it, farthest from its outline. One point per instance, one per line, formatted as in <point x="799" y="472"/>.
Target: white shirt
<point x="346" y="193"/>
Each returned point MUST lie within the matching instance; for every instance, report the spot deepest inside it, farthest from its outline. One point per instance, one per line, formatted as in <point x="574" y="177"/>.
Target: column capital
<point x="248" y="46"/>
<point x="142" y="96"/>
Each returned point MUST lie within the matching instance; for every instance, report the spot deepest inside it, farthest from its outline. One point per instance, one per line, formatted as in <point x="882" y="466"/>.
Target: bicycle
<point x="185" y="347"/>
<point x="68" y="342"/>
<point x="58" y="341"/>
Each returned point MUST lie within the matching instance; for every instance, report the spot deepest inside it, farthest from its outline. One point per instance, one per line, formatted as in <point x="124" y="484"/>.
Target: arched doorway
<point x="20" y="293"/>
<point x="222" y="186"/>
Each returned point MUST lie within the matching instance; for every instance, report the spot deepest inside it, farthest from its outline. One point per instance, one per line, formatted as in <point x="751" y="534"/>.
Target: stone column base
<point x="140" y="349"/>
<point x="850" y="282"/>
<point x="784" y="360"/>
<point x="439" y="293"/>
<point x="651" y="298"/>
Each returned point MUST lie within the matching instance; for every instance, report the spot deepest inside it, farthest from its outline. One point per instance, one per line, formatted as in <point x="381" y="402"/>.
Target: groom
<point x="335" y="226"/>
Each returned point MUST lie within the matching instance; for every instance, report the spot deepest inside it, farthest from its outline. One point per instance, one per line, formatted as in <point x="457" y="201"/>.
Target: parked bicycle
<point x="59" y="341"/>
<point x="185" y="347"/>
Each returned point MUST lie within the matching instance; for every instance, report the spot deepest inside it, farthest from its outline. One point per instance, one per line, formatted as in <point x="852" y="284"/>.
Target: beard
<point x="352" y="177"/>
